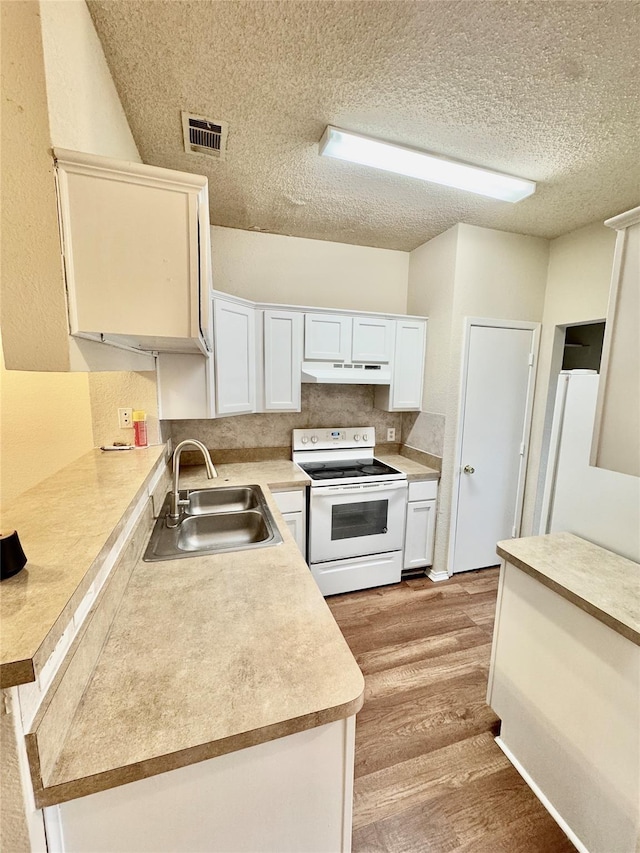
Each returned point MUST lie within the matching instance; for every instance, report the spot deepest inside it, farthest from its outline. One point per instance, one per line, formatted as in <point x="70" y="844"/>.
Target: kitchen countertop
<point x="66" y="524"/>
<point x="208" y="655"/>
<point x="413" y="470"/>
<point x="598" y="581"/>
<point x="64" y="557"/>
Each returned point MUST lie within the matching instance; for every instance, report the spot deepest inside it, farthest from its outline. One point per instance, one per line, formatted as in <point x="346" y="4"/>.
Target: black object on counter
<point x="12" y="557"/>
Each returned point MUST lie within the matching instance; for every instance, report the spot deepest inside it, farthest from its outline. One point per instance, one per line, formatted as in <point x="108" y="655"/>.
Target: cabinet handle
<point x="468" y="469"/>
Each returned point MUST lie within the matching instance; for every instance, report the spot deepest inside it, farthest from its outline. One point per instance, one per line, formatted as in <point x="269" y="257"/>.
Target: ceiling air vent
<point x="204" y="136"/>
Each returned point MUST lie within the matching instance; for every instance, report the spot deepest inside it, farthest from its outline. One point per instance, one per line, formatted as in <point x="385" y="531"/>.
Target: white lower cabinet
<point x="291" y="795"/>
<point x="421" y="524"/>
<point x="292" y="505"/>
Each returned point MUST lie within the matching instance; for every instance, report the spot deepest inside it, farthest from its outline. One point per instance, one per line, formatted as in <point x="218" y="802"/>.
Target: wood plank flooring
<point x="428" y="774"/>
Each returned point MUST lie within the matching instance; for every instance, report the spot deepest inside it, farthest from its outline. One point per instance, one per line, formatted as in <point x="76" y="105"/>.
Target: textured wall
<point x="85" y="113"/>
<point x="34" y="311"/>
<point x="45" y="421"/>
<point x="578" y="281"/>
<point x="112" y="391"/>
<point x="322" y="406"/>
<point x="294" y="270"/>
<point x="432" y="270"/>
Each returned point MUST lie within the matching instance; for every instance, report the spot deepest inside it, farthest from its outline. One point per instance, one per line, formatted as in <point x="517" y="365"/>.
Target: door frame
<point x="486" y="322"/>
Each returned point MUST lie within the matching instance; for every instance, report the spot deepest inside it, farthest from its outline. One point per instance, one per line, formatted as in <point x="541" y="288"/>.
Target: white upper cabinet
<point x="372" y="339"/>
<point x="283" y="336"/>
<point x="136" y="252"/>
<point x="343" y="337"/>
<point x="234" y="328"/>
<point x="407" y="369"/>
<point x="327" y="337"/>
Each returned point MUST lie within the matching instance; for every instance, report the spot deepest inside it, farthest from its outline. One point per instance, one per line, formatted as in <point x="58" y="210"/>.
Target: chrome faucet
<point x="173" y="516"/>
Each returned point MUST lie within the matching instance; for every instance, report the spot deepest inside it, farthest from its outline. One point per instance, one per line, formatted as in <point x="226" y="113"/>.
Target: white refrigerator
<point x="598" y="505"/>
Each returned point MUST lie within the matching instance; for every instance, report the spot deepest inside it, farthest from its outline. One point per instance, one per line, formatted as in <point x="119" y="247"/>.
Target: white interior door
<point x="497" y="388"/>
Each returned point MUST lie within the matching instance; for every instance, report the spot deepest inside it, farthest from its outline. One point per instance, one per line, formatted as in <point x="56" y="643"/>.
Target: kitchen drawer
<point x="292" y="501"/>
<point x="423" y="490"/>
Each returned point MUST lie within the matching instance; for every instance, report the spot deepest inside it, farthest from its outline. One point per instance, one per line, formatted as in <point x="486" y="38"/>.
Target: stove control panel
<point x="325" y="439"/>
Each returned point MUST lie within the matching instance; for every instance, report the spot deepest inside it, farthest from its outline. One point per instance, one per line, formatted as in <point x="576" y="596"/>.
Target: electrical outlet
<point x="125" y="418"/>
<point x="391" y="434"/>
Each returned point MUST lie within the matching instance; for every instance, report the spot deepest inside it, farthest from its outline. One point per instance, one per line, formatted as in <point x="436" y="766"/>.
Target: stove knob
<point x="365" y="437"/>
<point x="314" y="439"/>
<point x="305" y="439"/>
<point x="356" y="437"/>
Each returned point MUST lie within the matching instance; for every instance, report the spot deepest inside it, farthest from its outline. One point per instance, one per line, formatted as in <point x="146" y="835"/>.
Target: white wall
<point x="85" y="113"/>
<point x="294" y="270"/>
<point x="577" y="291"/>
<point x="432" y="270"/>
<point x="467" y="272"/>
<point x="34" y="313"/>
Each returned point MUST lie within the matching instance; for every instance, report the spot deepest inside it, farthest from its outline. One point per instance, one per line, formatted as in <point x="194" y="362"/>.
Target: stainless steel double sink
<point x="214" y="521"/>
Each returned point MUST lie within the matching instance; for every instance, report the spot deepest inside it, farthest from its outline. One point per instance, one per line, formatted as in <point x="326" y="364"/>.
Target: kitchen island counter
<point x="565" y="682"/>
<point x="597" y="581"/>
<point x="206" y="655"/>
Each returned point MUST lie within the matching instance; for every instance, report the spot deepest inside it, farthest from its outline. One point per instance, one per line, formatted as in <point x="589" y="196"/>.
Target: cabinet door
<point x="372" y="339"/>
<point x="327" y="337"/>
<point x="421" y="524"/>
<point x="408" y="366"/>
<point x="283" y="332"/>
<point x="235" y="357"/>
<point x="132" y="251"/>
<point x="295" y="523"/>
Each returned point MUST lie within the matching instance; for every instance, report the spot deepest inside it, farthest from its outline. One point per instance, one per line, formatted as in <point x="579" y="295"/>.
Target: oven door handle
<point x="361" y="489"/>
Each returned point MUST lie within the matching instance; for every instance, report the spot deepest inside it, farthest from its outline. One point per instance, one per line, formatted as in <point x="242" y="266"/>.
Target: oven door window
<point x="353" y="520"/>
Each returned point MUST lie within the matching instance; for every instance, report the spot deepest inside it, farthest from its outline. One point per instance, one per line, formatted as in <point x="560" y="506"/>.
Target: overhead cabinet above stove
<point x="343" y="338"/>
<point x="136" y="253"/>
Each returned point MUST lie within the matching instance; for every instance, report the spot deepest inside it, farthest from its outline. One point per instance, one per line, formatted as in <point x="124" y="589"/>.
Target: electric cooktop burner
<point x="347" y="469"/>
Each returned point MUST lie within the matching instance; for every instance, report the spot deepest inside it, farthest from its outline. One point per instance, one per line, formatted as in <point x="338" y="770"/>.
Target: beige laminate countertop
<point x="598" y="581"/>
<point x="413" y="470"/>
<point x="66" y="525"/>
<point x="208" y="655"/>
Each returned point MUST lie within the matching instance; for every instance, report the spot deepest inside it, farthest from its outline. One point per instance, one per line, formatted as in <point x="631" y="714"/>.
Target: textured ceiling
<point x="545" y="90"/>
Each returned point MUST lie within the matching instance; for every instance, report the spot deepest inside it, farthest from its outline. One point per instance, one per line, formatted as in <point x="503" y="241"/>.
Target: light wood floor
<point x="429" y="776"/>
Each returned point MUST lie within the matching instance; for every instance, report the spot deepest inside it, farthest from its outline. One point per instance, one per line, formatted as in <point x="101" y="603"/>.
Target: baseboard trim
<point x="435" y="576"/>
<point x="555" y="814"/>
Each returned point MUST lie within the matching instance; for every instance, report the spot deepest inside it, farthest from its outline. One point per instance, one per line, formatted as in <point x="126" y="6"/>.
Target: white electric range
<point x="357" y="509"/>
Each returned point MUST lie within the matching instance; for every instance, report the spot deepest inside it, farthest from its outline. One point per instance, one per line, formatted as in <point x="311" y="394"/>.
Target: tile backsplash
<point x="322" y="406"/>
<point x="424" y="431"/>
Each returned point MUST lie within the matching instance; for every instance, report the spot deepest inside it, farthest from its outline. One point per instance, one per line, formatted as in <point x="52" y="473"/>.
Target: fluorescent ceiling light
<point x="344" y="145"/>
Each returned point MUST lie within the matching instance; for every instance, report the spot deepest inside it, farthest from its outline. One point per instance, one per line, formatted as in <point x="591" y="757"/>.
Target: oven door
<point x="356" y="520"/>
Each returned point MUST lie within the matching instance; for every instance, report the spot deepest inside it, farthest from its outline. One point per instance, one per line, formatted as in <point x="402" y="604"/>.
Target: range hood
<point x="331" y="373"/>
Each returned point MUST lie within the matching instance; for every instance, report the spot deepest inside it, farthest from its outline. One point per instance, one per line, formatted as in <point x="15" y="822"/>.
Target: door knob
<point x="468" y="469"/>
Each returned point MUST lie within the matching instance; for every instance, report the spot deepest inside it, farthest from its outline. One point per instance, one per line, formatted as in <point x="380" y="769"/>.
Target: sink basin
<point x="222" y="531"/>
<point x="229" y="499"/>
<point x="214" y="521"/>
